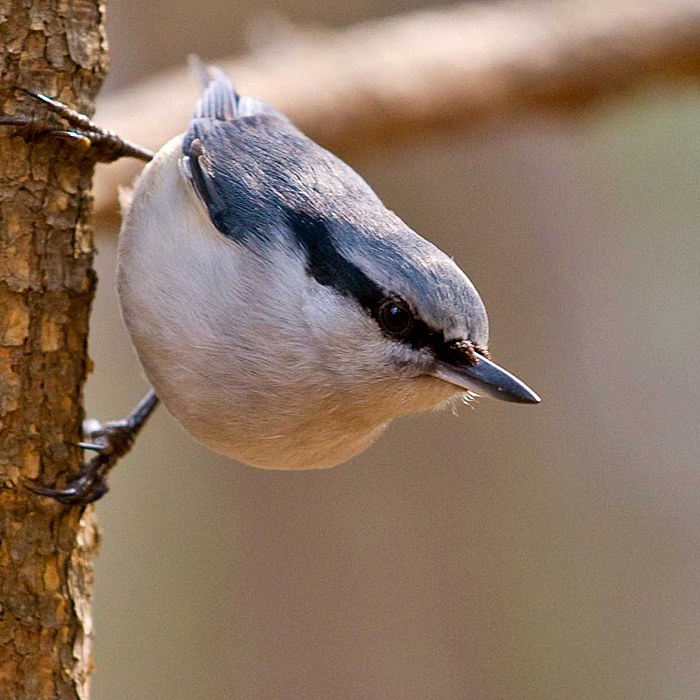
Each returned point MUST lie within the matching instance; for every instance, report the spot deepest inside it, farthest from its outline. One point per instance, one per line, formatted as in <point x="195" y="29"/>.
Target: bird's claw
<point x="86" y="488"/>
<point x="111" y="441"/>
<point x="83" y="132"/>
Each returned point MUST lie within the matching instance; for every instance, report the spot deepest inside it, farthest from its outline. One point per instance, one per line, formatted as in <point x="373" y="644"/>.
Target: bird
<point x="282" y="313"/>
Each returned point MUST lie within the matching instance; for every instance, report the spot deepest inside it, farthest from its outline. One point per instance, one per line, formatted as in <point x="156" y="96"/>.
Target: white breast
<point x="227" y="344"/>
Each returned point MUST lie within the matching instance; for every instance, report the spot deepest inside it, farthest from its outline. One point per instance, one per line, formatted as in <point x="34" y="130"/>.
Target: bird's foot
<point x="77" y="128"/>
<point x="111" y="441"/>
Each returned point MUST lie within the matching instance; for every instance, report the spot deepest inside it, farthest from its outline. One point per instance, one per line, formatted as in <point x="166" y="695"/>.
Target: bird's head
<point x="375" y="313"/>
<point x="392" y="313"/>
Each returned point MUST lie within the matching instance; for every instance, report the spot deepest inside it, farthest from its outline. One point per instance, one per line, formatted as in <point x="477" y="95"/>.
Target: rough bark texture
<point x="46" y="286"/>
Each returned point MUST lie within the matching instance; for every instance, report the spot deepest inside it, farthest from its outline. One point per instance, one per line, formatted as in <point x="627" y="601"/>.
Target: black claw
<point x="104" y="144"/>
<point x="36" y="95"/>
<point x="86" y="488"/>
<point x="15" y="121"/>
<point x="112" y="441"/>
<point x="92" y="446"/>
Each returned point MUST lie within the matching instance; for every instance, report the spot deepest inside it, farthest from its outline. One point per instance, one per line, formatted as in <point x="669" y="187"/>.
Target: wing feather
<point x="208" y="144"/>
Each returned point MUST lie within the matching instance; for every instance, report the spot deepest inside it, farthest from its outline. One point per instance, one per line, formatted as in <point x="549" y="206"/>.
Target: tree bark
<point x="46" y="287"/>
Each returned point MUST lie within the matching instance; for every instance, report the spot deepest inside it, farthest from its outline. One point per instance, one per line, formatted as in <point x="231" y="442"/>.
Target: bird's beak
<point x="485" y="377"/>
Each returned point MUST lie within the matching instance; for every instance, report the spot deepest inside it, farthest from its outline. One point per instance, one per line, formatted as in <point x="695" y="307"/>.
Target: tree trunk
<point x="46" y="287"/>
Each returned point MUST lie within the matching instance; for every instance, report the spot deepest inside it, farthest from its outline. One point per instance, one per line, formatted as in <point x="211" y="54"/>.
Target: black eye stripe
<point x="330" y="268"/>
<point x="327" y="266"/>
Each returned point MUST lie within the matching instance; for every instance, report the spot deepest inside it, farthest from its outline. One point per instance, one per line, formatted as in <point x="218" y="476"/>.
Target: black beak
<point x="485" y="377"/>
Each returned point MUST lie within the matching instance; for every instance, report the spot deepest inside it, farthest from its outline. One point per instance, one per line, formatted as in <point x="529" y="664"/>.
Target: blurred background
<point x="508" y="553"/>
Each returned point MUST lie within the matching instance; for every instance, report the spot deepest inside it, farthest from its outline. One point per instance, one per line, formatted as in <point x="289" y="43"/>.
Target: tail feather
<point x="211" y="133"/>
<point x="220" y="99"/>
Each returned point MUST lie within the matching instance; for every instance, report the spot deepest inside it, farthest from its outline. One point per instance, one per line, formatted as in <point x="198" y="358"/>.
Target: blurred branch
<point x="448" y="68"/>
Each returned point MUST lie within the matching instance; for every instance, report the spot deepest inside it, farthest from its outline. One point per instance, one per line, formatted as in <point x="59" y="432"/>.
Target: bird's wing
<point x="249" y="165"/>
<point x="222" y="120"/>
<point x="220" y="101"/>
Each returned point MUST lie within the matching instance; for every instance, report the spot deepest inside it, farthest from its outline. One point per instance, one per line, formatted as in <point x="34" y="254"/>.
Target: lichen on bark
<point x="46" y="286"/>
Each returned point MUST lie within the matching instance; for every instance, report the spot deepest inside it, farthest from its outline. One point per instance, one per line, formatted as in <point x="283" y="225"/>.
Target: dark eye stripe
<point x="330" y="268"/>
<point x="327" y="266"/>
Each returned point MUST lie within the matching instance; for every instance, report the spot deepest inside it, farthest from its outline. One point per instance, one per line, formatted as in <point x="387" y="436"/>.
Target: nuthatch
<point x="281" y="312"/>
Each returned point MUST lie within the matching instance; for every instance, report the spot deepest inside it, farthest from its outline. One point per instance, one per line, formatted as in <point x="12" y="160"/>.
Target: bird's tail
<point x="220" y="101"/>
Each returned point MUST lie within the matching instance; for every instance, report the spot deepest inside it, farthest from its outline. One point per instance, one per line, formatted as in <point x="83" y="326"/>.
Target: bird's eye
<point x="395" y="318"/>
